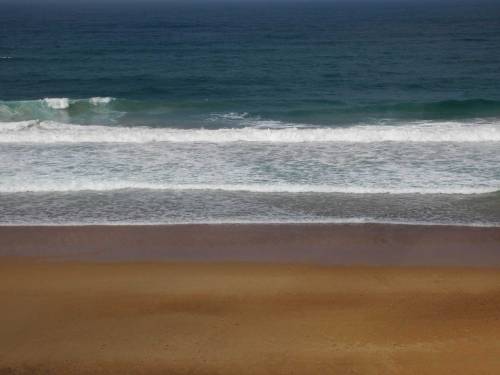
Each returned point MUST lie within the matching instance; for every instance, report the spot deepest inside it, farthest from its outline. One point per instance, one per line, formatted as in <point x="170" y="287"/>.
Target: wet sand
<point x="78" y="302"/>
<point x="334" y="244"/>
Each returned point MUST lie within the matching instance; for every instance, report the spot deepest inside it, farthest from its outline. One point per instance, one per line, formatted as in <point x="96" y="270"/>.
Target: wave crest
<point x="252" y="188"/>
<point x="110" y="109"/>
<point x="57" y="103"/>
<point x="100" y="100"/>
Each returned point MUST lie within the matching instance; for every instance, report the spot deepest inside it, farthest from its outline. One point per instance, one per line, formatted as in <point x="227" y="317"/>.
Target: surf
<point x="45" y="132"/>
<point x="111" y="110"/>
<point x="78" y="186"/>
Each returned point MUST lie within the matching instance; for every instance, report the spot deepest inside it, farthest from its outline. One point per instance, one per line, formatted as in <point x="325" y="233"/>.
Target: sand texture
<point x="234" y="318"/>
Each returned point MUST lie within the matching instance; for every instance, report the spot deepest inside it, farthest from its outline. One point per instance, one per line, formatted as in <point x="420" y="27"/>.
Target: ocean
<point x="234" y="112"/>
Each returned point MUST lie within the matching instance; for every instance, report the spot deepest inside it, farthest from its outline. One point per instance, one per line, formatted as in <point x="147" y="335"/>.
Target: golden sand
<point x="233" y="318"/>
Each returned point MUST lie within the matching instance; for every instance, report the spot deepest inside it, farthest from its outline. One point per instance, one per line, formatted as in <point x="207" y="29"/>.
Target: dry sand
<point x="190" y="318"/>
<point x="117" y="300"/>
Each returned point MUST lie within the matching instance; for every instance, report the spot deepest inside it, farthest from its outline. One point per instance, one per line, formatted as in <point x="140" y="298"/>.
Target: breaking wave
<point x="108" y="110"/>
<point x="57" y="109"/>
<point x="52" y="132"/>
<point x="57" y="103"/>
<point x="252" y="188"/>
<point x="64" y="103"/>
<point x="99" y="100"/>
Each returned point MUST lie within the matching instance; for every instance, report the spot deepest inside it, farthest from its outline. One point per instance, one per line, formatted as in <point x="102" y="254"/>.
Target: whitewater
<point x="53" y="132"/>
<point x="83" y="186"/>
<point x="82" y="160"/>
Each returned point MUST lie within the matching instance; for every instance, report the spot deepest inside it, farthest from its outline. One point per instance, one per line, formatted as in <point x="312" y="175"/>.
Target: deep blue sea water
<point x="167" y="112"/>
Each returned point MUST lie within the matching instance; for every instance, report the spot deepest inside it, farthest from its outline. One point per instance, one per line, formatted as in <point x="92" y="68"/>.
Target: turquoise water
<point x="158" y="112"/>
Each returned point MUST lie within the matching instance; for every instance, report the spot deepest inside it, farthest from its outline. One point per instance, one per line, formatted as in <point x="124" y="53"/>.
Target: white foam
<point x="6" y="127"/>
<point x="100" y="100"/>
<point x="5" y="57"/>
<point x="229" y="116"/>
<point x="57" y="103"/>
<point x="237" y="221"/>
<point x="76" y="186"/>
<point x="52" y="132"/>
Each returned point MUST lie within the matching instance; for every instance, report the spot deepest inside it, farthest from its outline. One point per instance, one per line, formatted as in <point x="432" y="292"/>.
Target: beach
<point x="226" y="299"/>
<point x="249" y="187"/>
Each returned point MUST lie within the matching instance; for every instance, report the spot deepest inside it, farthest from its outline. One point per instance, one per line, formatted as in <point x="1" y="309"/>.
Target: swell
<point x="109" y="110"/>
<point x="431" y="132"/>
<point x="440" y="109"/>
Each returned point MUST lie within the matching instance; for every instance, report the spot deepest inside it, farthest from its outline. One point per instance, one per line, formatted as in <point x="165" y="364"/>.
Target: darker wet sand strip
<point x="336" y="244"/>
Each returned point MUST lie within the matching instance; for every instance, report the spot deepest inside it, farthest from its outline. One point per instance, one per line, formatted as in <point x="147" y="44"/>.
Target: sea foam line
<point x="250" y="188"/>
<point x="239" y="221"/>
<point x="53" y="132"/>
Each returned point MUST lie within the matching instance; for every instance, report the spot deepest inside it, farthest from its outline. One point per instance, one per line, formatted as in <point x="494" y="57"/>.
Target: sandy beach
<point x="245" y="187"/>
<point x="205" y="315"/>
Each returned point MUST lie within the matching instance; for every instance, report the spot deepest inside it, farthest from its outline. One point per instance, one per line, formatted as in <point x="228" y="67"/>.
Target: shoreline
<point x="329" y="244"/>
<point x="239" y="223"/>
